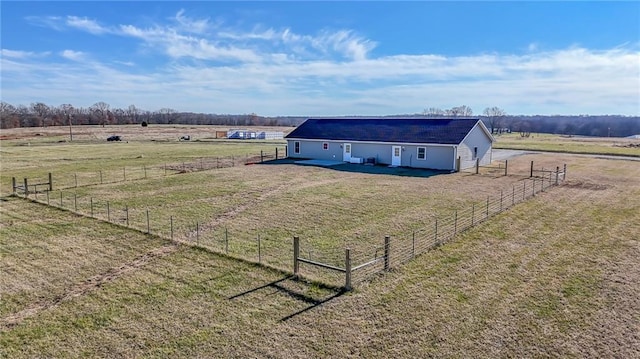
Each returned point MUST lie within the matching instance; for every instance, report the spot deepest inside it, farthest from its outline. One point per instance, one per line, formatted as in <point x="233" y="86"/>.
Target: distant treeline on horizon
<point x="41" y="115"/>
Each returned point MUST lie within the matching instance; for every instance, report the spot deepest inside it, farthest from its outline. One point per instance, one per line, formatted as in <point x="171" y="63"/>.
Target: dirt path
<point x="87" y="286"/>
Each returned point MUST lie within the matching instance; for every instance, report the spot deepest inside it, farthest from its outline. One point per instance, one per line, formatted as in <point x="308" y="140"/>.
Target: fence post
<point x="13" y="184"/>
<point x="531" y="172"/>
<point x="473" y="212"/>
<point x="387" y="248"/>
<point x="347" y="265"/>
<point x="75" y="202"/>
<point x="477" y="165"/>
<point x="487" y="216"/>
<point x="296" y="254"/>
<point x="259" y="250"/>
<point x="557" y="174"/>
<point x="171" y="226"/>
<point x="26" y="188"/>
<point x="90" y="203"/>
<point x="165" y="169"/>
<point x="564" y="173"/>
<point x="75" y="179"/>
<point x="148" y="225"/>
<point x="100" y="176"/>
<point x="50" y="182"/>
<point x="197" y="233"/>
<point x="286" y="151"/>
<point x="506" y="165"/>
<point x="61" y="203"/>
<point x="126" y="209"/>
<point x="261" y="156"/>
<point x="108" y="213"/>
<point x="276" y="153"/>
<point x="524" y="189"/>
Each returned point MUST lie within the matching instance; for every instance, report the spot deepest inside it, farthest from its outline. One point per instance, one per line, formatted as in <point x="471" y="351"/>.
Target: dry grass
<point x="556" y="276"/>
<point x="577" y="144"/>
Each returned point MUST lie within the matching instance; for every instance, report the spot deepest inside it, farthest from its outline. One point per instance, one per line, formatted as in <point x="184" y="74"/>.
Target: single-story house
<point x="434" y="143"/>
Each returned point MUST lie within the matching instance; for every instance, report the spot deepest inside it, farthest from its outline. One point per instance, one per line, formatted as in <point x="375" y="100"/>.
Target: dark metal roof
<point x="397" y="130"/>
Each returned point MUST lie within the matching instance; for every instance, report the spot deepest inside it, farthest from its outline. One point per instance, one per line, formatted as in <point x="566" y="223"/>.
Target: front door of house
<point x="396" y="155"/>
<point x="346" y="152"/>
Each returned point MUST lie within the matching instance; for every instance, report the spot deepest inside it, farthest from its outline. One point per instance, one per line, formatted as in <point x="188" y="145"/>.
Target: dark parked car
<point x="114" y="138"/>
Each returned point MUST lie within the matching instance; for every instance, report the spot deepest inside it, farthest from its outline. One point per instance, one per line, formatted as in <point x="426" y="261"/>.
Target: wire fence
<point x="335" y="266"/>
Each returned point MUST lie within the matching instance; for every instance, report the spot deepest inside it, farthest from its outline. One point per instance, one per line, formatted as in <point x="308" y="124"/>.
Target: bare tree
<point x="167" y="115"/>
<point x="132" y="113"/>
<point x="101" y="111"/>
<point x="42" y="111"/>
<point x="433" y="111"/>
<point x="495" y="115"/>
<point x="463" y="110"/>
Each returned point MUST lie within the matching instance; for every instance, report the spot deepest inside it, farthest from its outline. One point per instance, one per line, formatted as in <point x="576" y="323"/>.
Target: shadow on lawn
<point x="280" y="286"/>
<point x="361" y="168"/>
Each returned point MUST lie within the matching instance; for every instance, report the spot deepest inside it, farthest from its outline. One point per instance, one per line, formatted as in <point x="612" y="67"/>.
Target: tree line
<point x="496" y="119"/>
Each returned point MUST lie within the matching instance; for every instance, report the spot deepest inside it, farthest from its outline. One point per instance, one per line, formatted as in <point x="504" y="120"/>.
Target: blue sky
<point x="324" y="58"/>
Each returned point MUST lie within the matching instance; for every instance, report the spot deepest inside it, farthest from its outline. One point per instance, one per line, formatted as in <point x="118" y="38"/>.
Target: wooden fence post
<point x="276" y="153"/>
<point x="171" y="226"/>
<point x="458" y="164"/>
<point x="13" y="184"/>
<point x="148" y="224"/>
<point x="126" y="209"/>
<point x="564" y="173"/>
<point x="75" y="202"/>
<point x="26" y="188"/>
<point x="531" y="172"/>
<point x="487" y="216"/>
<point x="286" y="151"/>
<point x="197" y="233"/>
<point x="259" y="250"/>
<point x="108" y="213"/>
<point x="473" y="212"/>
<point x="347" y="265"/>
<point x="75" y="179"/>
<point x="477" y="165"/>
<point x="506" y="165"/>
<point x="90" y="203"/>
<point x="261" y="156"/>
<point x="557" y="174"/>
<point x="387" y="249"/>
<point x="61" y="201"/>
<point x="50" y="182"/>
<point x="296" y="254"/>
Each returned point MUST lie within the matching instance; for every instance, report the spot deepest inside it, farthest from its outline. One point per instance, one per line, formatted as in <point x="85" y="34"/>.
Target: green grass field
<point x="556" y="276"/>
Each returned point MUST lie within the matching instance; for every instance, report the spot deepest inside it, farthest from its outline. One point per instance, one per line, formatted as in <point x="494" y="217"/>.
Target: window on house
<point x="475" y="153"/>
<point x="422" y="153"/>
<point x="325" y="145"/>
<point x="296" y="147"/>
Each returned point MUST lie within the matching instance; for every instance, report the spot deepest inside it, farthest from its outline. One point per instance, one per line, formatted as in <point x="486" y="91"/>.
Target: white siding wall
<point x="476" y="138"/>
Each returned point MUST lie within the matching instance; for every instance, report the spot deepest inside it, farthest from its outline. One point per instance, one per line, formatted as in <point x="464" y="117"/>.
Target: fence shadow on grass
<point x="279" y="285"/>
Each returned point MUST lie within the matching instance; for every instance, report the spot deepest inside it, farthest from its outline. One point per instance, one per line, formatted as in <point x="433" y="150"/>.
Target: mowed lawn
<point x="556" y="276"/>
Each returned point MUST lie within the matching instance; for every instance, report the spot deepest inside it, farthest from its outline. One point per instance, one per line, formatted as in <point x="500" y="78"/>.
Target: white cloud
<point x="87" y="25"/>
<point x="73" y="55"/>
<point x="17" y="54"/>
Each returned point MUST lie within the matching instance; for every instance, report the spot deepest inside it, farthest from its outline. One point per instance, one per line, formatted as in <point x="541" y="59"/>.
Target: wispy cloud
<point x="86" y="24"/>
<point x="206" y="67"/>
